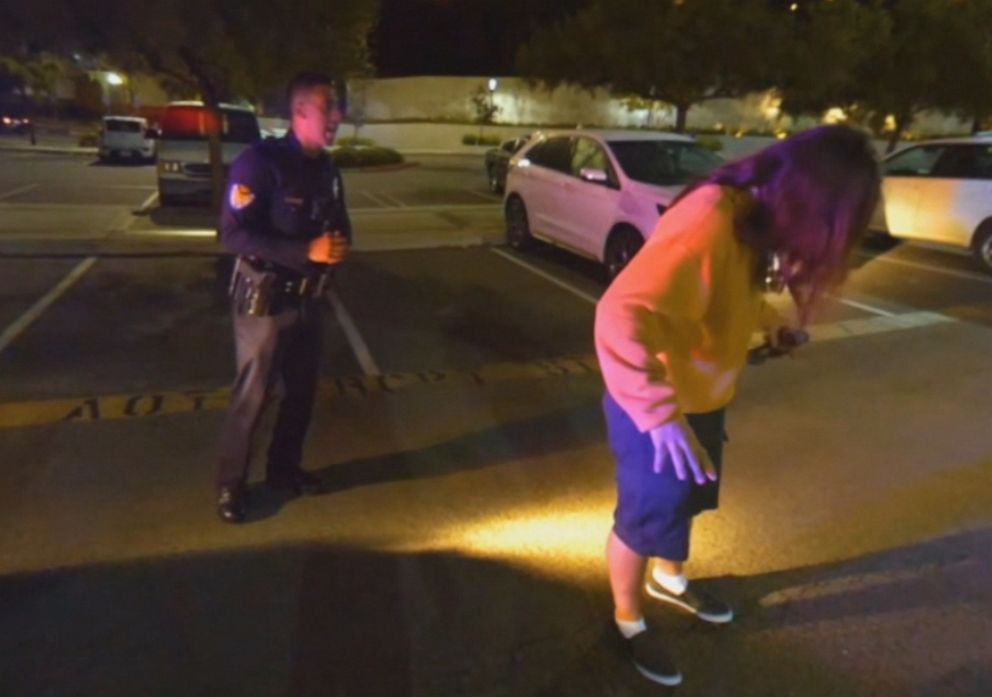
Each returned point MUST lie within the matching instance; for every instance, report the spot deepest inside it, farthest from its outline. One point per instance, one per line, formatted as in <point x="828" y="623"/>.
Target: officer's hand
<point x="328" y="249"/>
<point x="675" y="442"/>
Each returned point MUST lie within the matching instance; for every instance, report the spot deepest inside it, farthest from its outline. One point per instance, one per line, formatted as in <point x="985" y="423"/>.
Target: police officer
<point x="285" y="218"/>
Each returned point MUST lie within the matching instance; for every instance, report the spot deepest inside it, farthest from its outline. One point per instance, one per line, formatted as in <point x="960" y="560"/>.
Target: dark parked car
<point x="13" y="121"/>
<point x="497" y="159"/>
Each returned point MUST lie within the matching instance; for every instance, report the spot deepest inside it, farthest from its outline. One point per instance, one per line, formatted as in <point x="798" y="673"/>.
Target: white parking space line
<point x="11" y="333"/>
<point x="375" y="199"/>
<point x="861" y="306"/>
<point x="546" y="276"/>
<point x="148" y="203"/>
<point x="967" y="275"/>
<point x="376" y="202"/>
<point x="358" y="345"/>
<point x="19" y="190"/>
<point x="392" y="199"/>
<point x="884" y="321"/>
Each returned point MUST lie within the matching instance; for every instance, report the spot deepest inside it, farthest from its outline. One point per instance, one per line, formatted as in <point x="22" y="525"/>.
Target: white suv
<point x="940" y="191"/>
<point x="183" y="153"/>
<point x="598" y="193"/>
<point x="126" y="137"/>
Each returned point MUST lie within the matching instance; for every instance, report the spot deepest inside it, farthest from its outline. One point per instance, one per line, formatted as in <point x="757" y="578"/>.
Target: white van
<point x="126" y="137"/>
<point x="183" y="153"/>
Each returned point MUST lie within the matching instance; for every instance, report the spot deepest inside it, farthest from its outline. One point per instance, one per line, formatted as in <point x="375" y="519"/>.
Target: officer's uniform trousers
<point x="278" y="358"/>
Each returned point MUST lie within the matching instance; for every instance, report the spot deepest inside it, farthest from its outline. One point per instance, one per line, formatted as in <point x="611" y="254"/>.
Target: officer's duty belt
<point x="286" y="281"/>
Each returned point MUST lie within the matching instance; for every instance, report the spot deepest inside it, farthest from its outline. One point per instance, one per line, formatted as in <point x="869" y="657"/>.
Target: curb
<point x="50" y="149"/>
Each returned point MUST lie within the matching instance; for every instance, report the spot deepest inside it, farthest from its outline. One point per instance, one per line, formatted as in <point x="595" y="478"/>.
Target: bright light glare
<point x="835" y="115"/>
<point x="114" y="79"/>
<point x="544" y="536"/>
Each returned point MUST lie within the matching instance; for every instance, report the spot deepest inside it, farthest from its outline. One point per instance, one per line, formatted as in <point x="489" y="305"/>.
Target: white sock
<point x="673" y="584"/>
<point x="629" y="629"/>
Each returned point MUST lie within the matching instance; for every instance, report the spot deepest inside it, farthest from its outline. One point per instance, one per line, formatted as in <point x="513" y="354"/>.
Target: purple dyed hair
<point x="815" y="194"/>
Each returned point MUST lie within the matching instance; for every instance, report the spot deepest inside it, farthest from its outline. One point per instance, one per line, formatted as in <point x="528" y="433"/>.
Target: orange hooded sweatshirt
<point x="672" y="331"/>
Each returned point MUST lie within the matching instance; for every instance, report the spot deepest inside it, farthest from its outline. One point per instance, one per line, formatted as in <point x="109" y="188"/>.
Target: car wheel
<point x="981" y="244"/>
<point x="623" y="244"/>
<point x="494" y="184"/>
<point x="517" y="228"/>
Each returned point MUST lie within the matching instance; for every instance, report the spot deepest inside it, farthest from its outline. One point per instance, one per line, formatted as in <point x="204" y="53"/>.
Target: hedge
<point x="473" y="139"/>
<point x="350" y="156"/>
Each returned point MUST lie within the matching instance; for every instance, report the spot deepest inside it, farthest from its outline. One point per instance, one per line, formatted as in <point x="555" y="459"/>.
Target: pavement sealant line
<point x="142" y="405"/>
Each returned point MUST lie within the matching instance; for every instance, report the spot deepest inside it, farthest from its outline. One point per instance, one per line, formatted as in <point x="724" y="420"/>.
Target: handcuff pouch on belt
<point x="261" y="292"/>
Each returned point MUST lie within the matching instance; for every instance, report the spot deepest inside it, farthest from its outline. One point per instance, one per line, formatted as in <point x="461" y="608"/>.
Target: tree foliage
<point x="875" y="58"/>
<point x="826" y="51"/>
<point x="679" y="51"/>
<point x="216" y="49"/>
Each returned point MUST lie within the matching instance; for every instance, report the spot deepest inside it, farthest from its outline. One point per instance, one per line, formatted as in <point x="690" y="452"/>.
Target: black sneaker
<point x="231" y="504"/>
<point x="651" y="659"/>
<point x="703" y="605"/>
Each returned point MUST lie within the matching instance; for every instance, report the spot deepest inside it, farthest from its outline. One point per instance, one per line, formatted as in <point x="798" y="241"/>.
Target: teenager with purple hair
<point x="672" y="335"/>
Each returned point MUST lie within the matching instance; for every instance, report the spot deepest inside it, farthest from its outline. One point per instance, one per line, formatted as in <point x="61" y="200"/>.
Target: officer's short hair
<point x="305" y="82"/>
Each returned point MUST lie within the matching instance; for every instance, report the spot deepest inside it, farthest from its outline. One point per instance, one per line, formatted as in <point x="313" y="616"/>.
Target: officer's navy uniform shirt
<point x="278" y="200"/>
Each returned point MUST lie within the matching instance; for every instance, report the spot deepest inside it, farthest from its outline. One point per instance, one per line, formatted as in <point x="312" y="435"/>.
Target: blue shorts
<point x="654" y="510"/>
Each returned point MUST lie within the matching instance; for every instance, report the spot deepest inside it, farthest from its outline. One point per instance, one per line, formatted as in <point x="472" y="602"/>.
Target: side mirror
<point x="596" y="176"/>
<point x="152" y="134"/>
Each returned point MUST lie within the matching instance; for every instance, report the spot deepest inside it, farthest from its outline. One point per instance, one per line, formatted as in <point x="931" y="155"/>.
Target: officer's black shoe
<point x="231" y="504"/>
<point x="296" y="481"/>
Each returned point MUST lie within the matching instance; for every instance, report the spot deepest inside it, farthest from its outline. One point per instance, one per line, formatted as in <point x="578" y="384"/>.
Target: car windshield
<point x="122" y="126"/>
<point x="190" y="123"/>
<point x="663" y="162"/>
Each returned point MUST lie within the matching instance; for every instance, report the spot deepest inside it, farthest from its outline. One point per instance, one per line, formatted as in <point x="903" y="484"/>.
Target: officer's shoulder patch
<point x="240" y="197"/>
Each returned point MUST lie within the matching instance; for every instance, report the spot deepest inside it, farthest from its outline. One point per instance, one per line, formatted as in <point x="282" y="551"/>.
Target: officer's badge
<point x="241" y="197"/>
<point x="336" y="189"/>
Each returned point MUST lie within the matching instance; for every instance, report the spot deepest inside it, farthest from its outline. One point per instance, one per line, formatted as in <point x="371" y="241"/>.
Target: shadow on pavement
<point x="549" y="433"/>
<point x="843" y="609"/>
<point x="314" y="619"/>
<point x="302" y="620"/>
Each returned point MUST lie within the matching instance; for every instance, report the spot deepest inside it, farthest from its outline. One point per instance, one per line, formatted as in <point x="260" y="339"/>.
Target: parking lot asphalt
<point x="458" y="550"/>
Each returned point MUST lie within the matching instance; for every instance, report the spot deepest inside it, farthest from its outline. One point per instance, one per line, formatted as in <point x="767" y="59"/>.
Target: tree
<point x="35" y="74"/>
<point x="484" y="107"/>
<point x="827" y="49"/>
<point x="965" y="87"/>
<point x="679" y="51"/>
<point x="908" y="61"/>
<point x="217" y="49"/>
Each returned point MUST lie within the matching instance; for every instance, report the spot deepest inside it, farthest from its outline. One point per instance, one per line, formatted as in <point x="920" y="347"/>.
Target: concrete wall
<point x="449" y="99"/>
<point x="431" y="98"/>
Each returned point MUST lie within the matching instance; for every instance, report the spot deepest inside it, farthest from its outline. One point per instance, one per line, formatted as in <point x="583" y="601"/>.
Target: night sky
<point x="458" y="37"/>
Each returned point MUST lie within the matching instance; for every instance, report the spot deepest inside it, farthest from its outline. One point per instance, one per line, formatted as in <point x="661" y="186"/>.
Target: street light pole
<point x="493" y="84"/>
<point x="113" y="80"/>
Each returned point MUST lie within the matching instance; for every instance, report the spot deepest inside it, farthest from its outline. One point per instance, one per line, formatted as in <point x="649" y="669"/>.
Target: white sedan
<point x="598" y="193"/>
<point x="940" y="191"/>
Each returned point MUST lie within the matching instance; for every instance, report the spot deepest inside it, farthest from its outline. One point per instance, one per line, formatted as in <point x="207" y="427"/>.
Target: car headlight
<point x="170" y="166"/>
